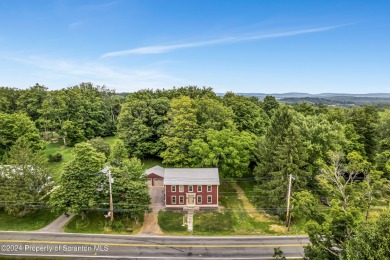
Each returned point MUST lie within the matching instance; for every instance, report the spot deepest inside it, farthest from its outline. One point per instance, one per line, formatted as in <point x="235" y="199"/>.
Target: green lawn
<point x="96" y="223"/>
<point x="67" y="155"/>
<point x="171" y="222"/>
<point x="242" y="223"/>
<point x="150" y="162"/>
<point x="31" y="221"/>
<point x="231" y="219"/>
<point x="247" y="185"/>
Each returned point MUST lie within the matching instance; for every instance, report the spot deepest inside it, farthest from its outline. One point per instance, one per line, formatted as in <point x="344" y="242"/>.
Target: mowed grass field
<point x="67" y="155"/>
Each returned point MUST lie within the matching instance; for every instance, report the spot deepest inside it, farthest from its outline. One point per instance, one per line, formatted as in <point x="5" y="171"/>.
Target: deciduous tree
<point x="15" y="126"/>
<point x="141" y="126"/>
<point x="100" y="146"/>
<point x="130" y="191"/>
<point x="119" y="153"/>
<point x="230" y="151"/>
<point x="24" y="179"/>
<point x="248" y="116"/>
<point x="77" y="191"/>
<point x="181" y="129"/>
<point x="371" y="241"/>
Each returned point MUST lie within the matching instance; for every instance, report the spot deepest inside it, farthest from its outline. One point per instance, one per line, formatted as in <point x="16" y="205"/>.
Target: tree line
<point x="342" y="154"/>
<point x="74" y="114"/>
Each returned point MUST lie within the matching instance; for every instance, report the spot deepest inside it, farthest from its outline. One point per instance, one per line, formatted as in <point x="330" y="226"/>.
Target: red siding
<point x="203" y="193"/>
<point x="154" y="176"/>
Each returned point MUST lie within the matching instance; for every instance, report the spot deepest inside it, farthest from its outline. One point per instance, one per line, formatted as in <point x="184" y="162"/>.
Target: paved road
<point x="146" y="247"/>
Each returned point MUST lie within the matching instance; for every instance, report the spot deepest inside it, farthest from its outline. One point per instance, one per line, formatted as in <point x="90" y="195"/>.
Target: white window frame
<point x="181" y="199"/>
<point x="209" y="188"/>
<point x="181" y="188"/>
<point x="197" y="188"/>
<point x="209" y="199"/>
<point x="197" y="199"/>
<point x="173" y="199"/>
<point x="190" y="188"/>
<point x="173" y="188"/>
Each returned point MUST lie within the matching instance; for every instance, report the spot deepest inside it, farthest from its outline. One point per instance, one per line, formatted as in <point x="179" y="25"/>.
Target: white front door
<point x="190" y="199"/>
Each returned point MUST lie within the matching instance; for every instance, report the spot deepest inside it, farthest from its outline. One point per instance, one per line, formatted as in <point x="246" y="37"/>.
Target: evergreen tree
<point x="280" y="153"/>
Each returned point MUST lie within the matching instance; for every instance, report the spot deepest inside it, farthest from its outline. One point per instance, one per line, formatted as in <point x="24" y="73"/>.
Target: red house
<point x="185" y="188"/>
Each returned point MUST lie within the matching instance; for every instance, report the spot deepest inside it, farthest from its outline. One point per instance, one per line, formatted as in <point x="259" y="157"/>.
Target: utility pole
<point x="107" y="171"/>
<point x="111" y="180"/>
<point x="288" y="201"/>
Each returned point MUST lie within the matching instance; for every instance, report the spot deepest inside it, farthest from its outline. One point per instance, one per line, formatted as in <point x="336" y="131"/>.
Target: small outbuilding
<point x="155" y="176"/>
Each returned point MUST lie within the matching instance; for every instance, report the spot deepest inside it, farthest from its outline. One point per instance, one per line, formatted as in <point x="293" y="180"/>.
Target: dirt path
<point x="150" y="226"/>
<point x="57" y="225"/>
<point x="249" y="208"/>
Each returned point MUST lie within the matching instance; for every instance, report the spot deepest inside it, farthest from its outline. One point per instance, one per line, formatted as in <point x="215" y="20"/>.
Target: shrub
<point x="57" y="157"/>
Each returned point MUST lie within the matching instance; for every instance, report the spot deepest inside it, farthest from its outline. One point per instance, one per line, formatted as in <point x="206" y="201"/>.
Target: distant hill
<point x="322" y="95"/>
<point x="336" y="99"/>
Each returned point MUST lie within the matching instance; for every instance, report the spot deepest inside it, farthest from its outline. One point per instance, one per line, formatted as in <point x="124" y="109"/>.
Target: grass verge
<point x="171" y="222"/>
<point x="96" y="223"/>
<point x="31" y="221"/>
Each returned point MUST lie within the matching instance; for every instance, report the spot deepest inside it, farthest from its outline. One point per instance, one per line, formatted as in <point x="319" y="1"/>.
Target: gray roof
<point x="191" y="176"/>
<point x="158" y="170"/>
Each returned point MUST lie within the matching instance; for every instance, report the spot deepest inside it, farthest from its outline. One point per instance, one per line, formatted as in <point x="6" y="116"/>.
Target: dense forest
<point x="339" y="154"/>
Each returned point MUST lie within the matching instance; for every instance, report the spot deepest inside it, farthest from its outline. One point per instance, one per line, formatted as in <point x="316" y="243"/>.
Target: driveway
<point x="58" y="224"/>
<point x="150" y="225"/>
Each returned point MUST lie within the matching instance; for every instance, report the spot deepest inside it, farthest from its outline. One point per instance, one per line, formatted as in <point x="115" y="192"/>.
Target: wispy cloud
<point x="75" y="25"/>
<point x="53" y="72"/>
<point x="168" y="48"/>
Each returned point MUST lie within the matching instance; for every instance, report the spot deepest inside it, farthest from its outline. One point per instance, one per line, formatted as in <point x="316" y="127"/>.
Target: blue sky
<point x="242" y="46"/>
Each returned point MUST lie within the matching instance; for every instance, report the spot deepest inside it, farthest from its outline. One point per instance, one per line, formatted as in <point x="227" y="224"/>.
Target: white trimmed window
<point x="199" y="199"/>
<point x="209" y="188"/>
<point x="173" y="199"/>
<point x="199" y="188"/>
<point x="173" y="188"/>
<point x="190" y="188"/>
<point x="209" y="199"/>
<point x="181" y="188"/>
<point x="181" y="199"/>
